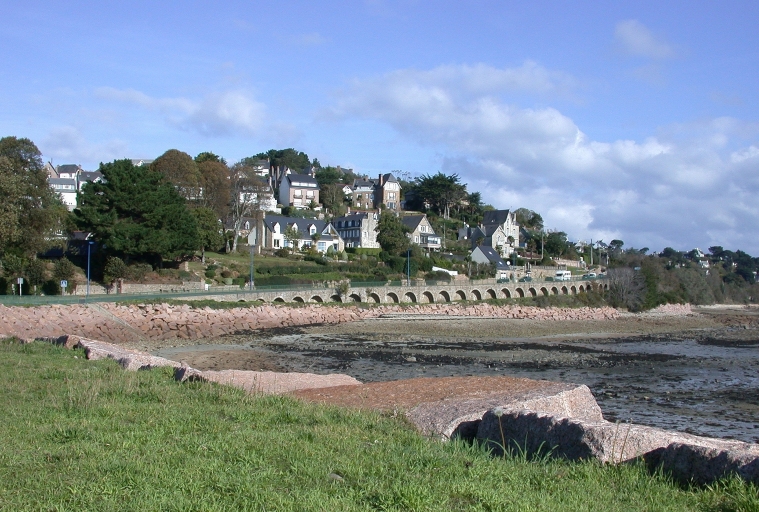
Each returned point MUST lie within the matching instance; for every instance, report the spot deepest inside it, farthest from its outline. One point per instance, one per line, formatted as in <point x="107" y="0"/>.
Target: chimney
<point x="381" y="180"/>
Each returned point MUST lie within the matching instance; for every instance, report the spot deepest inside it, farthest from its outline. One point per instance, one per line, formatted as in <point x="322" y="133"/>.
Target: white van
<point x="563" y="275"/>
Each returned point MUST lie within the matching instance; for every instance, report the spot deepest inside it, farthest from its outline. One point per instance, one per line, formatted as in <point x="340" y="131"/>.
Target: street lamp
<point x="252" y="244"/>
<point x="408" y="267"/>
<point x="89" y="247"/>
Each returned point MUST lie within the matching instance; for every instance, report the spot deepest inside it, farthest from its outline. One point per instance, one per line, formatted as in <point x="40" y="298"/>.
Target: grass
<point x="84" y="435"/>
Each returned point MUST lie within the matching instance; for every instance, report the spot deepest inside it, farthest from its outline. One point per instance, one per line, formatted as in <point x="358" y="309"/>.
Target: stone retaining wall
<point x="121" y="323"/>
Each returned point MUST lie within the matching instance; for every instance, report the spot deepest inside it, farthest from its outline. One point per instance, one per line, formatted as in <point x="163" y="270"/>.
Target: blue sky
<point x="637" y="121"/>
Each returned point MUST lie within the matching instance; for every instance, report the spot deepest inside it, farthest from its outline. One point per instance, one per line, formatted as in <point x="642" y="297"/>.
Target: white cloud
<point x="637" y="40"/>
<point x="744" y="154"/>
<point x="217" y="114"/>
<point x="66" y="144"/>
<point x="686" y="186"/>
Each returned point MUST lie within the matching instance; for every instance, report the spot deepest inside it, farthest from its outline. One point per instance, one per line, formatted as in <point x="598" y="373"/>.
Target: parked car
<point x="590" y="275"/>
<point x="525" y="279"/>
<point x="503" y="280"/>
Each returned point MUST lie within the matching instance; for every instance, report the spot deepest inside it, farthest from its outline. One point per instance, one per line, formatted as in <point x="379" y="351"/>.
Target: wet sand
<point x="698" y="374"/>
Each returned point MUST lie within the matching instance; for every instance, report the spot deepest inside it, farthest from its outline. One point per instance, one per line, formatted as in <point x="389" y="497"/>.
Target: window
<point x="310" y="193"/>
<point x="297" y="193"/>
<point x="322" y="246"/>
<point x="276" y="243"/>
<point x="247" y="225"/>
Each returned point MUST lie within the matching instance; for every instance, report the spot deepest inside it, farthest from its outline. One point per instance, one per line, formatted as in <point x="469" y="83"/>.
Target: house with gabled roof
<point x="67" y="189"/>
<point x="358" y="229"/>
<point x="315" y="233"/>
<point x="421" y="232"/>
<point x="484" y="254"/>
<point x="499" y="230"/>
<point x="298" y="190"/>
<point x="383" y="192"/>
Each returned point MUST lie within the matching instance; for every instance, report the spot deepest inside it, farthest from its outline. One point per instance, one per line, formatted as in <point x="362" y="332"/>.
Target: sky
<point x="636" y="121"/>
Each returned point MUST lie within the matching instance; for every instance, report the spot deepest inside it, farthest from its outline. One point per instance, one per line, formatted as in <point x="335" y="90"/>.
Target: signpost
<point x="64" y="285"/>
<point x="20" y="281"/>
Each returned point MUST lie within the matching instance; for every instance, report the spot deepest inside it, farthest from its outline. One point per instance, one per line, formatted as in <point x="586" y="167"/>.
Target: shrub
<point x="226" y="274"/>
<point x="210" y="273"/>
<point x="138" y="271"/>
<point x="114" y="269"/>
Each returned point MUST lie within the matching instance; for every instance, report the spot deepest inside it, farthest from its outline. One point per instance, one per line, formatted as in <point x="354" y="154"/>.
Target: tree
<point x="626" y="288"/>
<point x="31" y="212"/>
<point x="64" y="270"/>
<point x="181" y="170"/>
<point x="440" y="191"/>
<point x="528" y="219"/>
<point x="215" y="187"/>
<point x="207" y="156"/>
<point x="248" y="195"/>
<point x="291" y="236"/>
<point x="391" y="234"/>
<point x="556" y="243"/>
<point x="290" y="158"/>
<point x="210" y="231"/>
<point x="136" y="213"/>
<point x="333" y="198"/>
<point x="114" y="269"/>
<point x="328" y="175"/>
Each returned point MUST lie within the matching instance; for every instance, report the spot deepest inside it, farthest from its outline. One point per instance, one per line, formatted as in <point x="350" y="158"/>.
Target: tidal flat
<point x="698" y="374"/>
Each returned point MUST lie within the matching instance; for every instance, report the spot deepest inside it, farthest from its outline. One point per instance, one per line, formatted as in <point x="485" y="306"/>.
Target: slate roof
<point x="68" y="168"/>
<point x="302" y="224"/>
<point x="495" y="217"/>
<point x="302" y="180"/>
<point x="412" y="221"/>
<point x="63" y="181"/>
<point x="492" y="256"/>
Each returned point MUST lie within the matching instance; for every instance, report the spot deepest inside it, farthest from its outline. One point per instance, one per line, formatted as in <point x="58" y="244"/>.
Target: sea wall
<point x="124" y="323"/>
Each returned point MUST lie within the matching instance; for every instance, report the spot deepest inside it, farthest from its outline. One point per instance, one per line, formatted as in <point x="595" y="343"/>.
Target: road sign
<point x="20" y="280"/>
<point x="64" y="284"/>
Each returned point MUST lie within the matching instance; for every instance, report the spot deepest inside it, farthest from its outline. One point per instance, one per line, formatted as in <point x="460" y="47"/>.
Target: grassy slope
<point x="83" y="435"/>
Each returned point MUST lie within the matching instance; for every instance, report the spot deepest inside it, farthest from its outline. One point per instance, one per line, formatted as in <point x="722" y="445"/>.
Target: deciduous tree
<point x="30" y="211"/>
<point x="181" y="170"/>
<point x="215" y="187"/>
<point x="248" y="196"/>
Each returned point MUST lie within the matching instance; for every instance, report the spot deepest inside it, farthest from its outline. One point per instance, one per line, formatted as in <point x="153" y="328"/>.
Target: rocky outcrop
<point x="686" y="457"/>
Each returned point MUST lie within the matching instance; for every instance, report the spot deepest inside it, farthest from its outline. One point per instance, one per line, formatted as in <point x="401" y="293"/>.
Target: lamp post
<point x="89" y="247"/>
<point x="252" y="243"/>
<point x="408" y="267"/>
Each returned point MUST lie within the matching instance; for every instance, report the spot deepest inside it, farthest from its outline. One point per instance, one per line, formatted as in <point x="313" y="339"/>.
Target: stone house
<point x="421" y="232"/>
<point x="499" y="230"/>
<point x="358" y="229"/>
<point x="367" y="194"/>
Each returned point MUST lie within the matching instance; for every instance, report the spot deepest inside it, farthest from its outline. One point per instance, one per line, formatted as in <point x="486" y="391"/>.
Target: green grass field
<point x="83" y="435"/>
